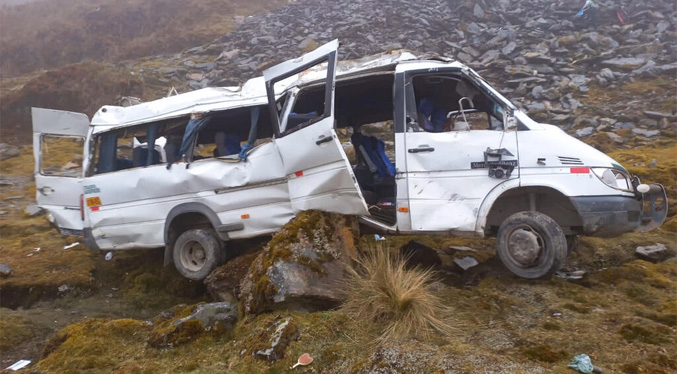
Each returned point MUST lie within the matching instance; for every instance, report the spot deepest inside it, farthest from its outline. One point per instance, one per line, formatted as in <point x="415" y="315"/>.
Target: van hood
<point x="559" y="149"/>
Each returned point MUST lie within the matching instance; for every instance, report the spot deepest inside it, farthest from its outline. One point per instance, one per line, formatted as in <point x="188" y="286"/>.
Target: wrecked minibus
<point x="192" y="172"/>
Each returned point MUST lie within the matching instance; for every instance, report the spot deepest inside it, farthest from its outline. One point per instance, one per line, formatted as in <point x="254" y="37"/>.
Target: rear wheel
<point x="197" y="252"/>
<point x="531" y="245"/>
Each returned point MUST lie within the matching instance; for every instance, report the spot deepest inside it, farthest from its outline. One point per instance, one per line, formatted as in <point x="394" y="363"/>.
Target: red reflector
<point x="299" y="173"/>
<point x="95" y="209"/>
<point x="580" y="170"/>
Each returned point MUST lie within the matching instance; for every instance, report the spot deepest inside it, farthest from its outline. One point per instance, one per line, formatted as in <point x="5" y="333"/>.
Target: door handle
<point x="325" y="139"/>
<point x="420" y="149"/>
<point x="46" y="190"/>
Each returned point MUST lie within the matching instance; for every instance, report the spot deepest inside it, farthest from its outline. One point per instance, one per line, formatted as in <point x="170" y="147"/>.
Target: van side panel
<point x="135" y="203"/>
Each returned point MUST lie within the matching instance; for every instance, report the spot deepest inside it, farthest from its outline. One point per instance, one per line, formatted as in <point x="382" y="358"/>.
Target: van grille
<point x="570" y="160"/>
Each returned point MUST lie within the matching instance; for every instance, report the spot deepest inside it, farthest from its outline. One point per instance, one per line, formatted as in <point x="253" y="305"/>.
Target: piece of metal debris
<point x="19" y="365"/>
<point x="109" y="256"/>
<point x="71" y="245"/>
<point x="466" y="263"/>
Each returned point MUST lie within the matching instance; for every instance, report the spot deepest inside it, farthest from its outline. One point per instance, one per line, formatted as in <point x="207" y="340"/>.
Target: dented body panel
<point x="458" y="182"/>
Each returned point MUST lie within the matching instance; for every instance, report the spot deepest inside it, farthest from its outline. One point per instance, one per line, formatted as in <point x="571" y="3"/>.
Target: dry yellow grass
<point x="381" y="289"/>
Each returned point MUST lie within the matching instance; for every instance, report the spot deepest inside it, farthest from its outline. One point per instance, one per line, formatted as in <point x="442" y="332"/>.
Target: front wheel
<point x="531" y="245"/>
<point x="196" y="253"/>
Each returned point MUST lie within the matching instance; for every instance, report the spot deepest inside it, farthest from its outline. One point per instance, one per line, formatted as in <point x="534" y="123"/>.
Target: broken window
<point x="447" y="102"/>
<point x="61" y="155"/>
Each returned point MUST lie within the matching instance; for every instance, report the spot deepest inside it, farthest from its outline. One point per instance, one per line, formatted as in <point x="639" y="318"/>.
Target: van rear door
<point x="58" y="143"/>
<point x="318" y="172"/>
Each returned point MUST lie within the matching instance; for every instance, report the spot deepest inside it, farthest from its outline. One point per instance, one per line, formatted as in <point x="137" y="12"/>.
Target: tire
<point x="197" y="252"/>
<point x="531" y="245"/>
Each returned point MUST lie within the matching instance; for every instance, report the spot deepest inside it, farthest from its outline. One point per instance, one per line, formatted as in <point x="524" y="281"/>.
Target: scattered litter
<point x="571" y="275"/>
<point x="71" y="245"/>
<point x="378" y="238"/>
<point x="466" y="263"/>
<point x="588" y="4"/>
<point x="557" y="314"/>
<point x="5" y="271"/>
<point x="109" y="256"/>
<point x="462" y="248"/>
<point x="582" y="363"/>
<point x="34" y="251"/>
<point x="19" y="365"/>
<point x="304" y="360"/>
<point x="63" y="288"/>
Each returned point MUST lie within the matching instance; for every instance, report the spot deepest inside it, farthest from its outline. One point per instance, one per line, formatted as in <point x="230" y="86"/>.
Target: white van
<point x="193" y="171"/>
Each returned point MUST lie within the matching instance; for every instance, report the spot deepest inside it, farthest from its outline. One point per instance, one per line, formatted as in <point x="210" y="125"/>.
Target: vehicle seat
<point x="373" y="166"/>
<point x="226" y="144"/>
<point x="430" y="118"/>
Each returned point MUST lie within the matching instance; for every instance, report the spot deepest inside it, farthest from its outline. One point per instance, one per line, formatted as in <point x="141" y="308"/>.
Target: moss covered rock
<point x="302" y="265"/>
<point x="182" y="324"/>
<point x="223" y="283"/>
<point x="271" y="343"/>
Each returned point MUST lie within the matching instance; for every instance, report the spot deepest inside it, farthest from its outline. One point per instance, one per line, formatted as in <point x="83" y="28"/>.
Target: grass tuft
<point x="380" y="289"/>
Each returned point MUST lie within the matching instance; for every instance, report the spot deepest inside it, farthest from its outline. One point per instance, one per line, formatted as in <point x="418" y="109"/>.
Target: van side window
<point x="133" y="147"/>
<point x="448" y="102"/>
<point x="227" y="133"/>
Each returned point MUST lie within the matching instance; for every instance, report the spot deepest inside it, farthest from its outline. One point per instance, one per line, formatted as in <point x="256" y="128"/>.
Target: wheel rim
<point x="525" y="246"/>
<point x="193" y="256"/>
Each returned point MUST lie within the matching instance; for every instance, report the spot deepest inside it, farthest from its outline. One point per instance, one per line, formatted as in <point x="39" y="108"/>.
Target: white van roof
<point x="251" y="93"/>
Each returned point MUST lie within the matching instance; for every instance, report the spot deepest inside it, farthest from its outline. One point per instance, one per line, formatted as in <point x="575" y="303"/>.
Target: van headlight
<point x="613" y="178"/>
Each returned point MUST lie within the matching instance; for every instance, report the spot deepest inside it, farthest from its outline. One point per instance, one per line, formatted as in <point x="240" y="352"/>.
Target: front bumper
<point x="610" y="216"/>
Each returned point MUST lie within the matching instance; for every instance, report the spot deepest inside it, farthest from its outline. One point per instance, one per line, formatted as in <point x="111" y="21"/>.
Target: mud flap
<point x="654" y="208"/>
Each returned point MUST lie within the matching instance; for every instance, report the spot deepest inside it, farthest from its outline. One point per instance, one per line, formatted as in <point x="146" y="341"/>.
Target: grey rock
<point x="623" y="125"/>
<point x="420" y="254"/>
<point x="5" y="271"/>
<point x="616" y="138"/>
<point x="587" y="131"/>
<point x="658" y="115"/>
<point x="478" y="11"/>
<point x="509" y="48"/>
<point x="625" y="63"/>
<point x="8" y="151"/>
<point x="466" y="263"/>
<point x="606" y="73"/>
<point x="211" y="314"/>
<point x="275" y="339"/>
<point x="654" y="253"/>
<point x="537" y="92"/>
<point x="653" y="164"/>
<point x="647" y="133"/>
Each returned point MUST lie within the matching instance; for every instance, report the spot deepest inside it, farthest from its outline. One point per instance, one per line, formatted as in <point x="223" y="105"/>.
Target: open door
<point x="58" y="142"/>
<point x="318" y="172"/>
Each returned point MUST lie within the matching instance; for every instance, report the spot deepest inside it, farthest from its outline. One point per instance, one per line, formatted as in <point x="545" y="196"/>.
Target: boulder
<point x="302" y="265"/>
<point x="223" y="283"/>
<point x="419" y="254"/>
<point x="182" y="324"/>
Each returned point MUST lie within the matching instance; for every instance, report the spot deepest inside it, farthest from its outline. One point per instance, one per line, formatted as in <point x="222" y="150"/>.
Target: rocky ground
<point x="612" y="84"/>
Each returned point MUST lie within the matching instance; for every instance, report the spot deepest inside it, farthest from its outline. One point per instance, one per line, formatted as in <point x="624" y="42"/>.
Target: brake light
<point x="82" y="207"/>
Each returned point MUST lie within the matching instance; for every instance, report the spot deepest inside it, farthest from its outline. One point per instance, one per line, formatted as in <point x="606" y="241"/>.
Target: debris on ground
<point x="5" y="271"/>
<point x="304" y="360"/>
<point x="654" y="253"/>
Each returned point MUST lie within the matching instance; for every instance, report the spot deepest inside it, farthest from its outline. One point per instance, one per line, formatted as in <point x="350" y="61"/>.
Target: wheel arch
<point x="185" y="216"/>
<point x="501" y="204"/>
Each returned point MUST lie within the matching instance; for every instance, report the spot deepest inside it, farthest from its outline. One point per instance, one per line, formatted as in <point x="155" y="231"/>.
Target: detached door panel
<point x="58" y="142"/>
<point x="318" y="172"/>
